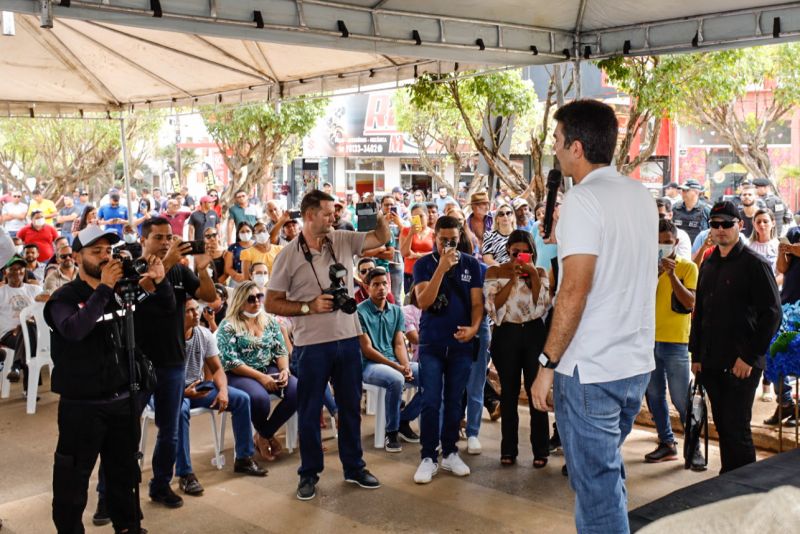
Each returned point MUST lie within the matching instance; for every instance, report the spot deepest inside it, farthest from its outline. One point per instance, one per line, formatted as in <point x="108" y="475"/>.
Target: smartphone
<point x="294" y="214"/>
<point x="367" y="213"/>
<point x="416" y="220"/>
<point x="198" y="247"/>
<point x="783" y="240"/>
<point x="393" y="209"/>
<point x="204" y="386"/>
<point x="524" y="257"/>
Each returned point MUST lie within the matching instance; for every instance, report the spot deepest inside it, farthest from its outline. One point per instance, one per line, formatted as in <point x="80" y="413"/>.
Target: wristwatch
<point x="304" y="309"/>
<point x="546" y="362"/>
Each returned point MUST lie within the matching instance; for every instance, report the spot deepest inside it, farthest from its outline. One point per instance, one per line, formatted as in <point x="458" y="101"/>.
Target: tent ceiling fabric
<point x="108" y="54"/>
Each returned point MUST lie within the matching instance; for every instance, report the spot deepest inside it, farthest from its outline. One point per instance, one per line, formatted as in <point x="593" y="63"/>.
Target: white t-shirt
<point x="12" y="301"/>
<point x="201" y="346"/>
<point x="613" y="217"/>
<point x="15" y="225"/>
<point x="684" y="248"/>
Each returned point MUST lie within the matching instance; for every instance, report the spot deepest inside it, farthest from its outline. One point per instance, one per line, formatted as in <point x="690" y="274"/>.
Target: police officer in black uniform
<point x="691" y="215"/>
<point x="91" y="376"/>
<point x="782" y="213"/>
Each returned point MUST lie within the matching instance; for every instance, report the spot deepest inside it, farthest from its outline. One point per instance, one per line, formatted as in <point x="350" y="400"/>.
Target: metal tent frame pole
<point x="125" y="170"/>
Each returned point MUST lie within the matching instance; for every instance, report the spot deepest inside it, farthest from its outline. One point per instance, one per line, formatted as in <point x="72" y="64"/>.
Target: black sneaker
<point x="190" y="485"/>
<point x="564" y="470"/>
<point x="698" y="461"/>
<point x="663" y="453"/>
<point x="101" y="516"/>
<point x="555" y="443"/>
<point x="787" y="410"/>
<point x="365" y="479"/>
<point x="407" y="434"/>
<point x="391" y="443"/>
<point x="307" y="488"/>
<point x="167" y="497"/>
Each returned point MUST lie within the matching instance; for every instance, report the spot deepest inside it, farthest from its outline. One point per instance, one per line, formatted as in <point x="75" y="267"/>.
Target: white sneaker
<point x="426" y="471"/>
<point x="473" y="445"/>
<point x="455" y="465"/>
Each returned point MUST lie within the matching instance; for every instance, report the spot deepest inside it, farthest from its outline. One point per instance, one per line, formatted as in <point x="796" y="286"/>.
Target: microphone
<point x="554" y="179"/>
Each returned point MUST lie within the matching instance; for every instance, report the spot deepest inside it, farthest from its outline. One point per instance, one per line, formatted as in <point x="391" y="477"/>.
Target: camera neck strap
<point x="307" y="254"/>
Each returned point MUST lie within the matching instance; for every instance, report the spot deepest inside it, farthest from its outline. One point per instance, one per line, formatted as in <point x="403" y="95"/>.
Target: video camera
<point x="341" y="298"/>
<point x="132" y="269"/>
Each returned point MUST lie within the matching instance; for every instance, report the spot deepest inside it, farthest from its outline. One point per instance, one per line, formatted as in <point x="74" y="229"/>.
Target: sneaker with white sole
<point x="473" y="445"/>
<point x="426" y="471"/>
<point x="455" y="465"/>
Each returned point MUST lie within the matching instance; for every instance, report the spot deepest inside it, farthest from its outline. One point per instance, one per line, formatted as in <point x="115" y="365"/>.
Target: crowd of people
<point x="623" y="304"/>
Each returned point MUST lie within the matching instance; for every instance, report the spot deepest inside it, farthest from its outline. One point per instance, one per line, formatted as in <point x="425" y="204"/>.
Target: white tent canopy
<point x="112" y="54"/>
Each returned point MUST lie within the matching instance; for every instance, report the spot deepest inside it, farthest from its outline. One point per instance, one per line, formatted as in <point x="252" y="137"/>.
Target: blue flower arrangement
<point x="784" y="351"/>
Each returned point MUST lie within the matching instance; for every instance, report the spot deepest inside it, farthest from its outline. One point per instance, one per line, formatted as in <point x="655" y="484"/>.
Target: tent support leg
<point x="126" y="174"/>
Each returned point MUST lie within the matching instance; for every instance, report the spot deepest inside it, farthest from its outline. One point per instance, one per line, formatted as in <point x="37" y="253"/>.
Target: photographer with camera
<point x="91" y="373"/>
<point x="161" y="335"/>
<point x="327" y="346"/>
<point x="449" y="288"/>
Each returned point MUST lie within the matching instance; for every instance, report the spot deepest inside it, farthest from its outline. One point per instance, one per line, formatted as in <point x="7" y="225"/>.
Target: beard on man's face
<point x="94" y="270"/>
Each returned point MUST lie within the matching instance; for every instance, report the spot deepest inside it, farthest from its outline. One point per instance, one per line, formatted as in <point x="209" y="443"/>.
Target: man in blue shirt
<point x="113" y="215"/>
<point x="449" y="293"/>
<point x="385" y="359"/>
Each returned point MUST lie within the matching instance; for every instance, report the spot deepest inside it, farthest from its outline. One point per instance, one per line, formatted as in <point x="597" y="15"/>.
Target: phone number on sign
<point x="364" y="149"/>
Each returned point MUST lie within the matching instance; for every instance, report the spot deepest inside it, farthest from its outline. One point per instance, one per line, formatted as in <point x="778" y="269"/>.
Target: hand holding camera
<point x="322" y="304"/>
<point x="111" y="273"/>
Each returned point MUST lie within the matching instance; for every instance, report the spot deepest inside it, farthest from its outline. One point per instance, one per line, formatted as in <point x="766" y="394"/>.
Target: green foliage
<point x="253" y="136"/>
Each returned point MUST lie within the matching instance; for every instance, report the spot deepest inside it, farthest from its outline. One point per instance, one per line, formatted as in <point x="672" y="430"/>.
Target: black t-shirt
<point x="790" y="293"/>
<point x="200" y="221"/>
<point x="160" y="334"/>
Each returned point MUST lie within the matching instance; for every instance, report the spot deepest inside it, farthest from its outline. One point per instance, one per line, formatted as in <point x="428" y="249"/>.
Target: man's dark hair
<point x="31" y="245"/>
<point x="594" y="124"/>
<point x="432" y="205"/>
<point x="150" y="223"/>
<point x="522" y="236"/>
<point x="313" y="200"/>
<point x="374" y="273"/>
<point x="36" y="192"/>
<point x="665" y="225"/>
<point x="365" y="259"/>
<point x="239" y="191"/>
<point x="446" y="222"/>
<point x="664" y="203"/>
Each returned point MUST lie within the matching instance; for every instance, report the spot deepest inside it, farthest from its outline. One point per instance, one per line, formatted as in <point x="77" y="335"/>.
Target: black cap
<point x="761" y="182"/>
<point x="724" y="210"/>
<point x="673" y="185"/>
<point x="692" y="184"/>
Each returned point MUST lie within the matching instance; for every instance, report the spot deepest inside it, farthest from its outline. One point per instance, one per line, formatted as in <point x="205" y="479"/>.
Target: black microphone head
<point x="554" y="179"/>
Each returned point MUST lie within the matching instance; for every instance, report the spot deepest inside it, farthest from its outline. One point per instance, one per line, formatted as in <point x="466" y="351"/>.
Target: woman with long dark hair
<point x="89" y="216"/>
<point x="517" y="299"/>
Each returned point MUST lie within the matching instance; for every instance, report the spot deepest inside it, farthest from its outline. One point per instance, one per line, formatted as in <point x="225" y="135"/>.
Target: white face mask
<point x="19" y="249"/>
<point x="262" y="237"/>
<point x="665" y="251"/>
<point x="260" y="279"/>
<point x="251" y="315"/>
<point x="38" y="223"/>
<point x="130" y="238"/>
<point x="245" y="236"/>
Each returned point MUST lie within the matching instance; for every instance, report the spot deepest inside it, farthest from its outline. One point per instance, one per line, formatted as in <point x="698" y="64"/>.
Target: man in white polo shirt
<point x="603" y="332"/>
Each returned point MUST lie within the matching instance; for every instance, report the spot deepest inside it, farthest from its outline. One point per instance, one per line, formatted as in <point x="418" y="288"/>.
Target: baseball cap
<point x="724" y="210"/>
<point x="397" y="189"/>
<point x="92" y="233"/>
<point x="692" y="184"/>
<point x="518" y="203"/>
<point x="761" y="182"/>
<point x="14" y="260"/>
<point x="207" y="198"/>
<point x="673" y="185"/>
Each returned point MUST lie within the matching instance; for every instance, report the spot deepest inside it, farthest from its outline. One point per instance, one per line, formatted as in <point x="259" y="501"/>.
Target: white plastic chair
<point x="35" y="362"/>
<point x="376" y="405"/>
<point x="5" y="385"/>
<point x="218" y="460"/>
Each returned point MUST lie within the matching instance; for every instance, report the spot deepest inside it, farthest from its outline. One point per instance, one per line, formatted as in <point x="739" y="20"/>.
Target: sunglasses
<point x="503" y="213"/>
<point x="16" y="196"/>
<point x="722" y="224"/>
<point x="252" y="299"/>
<point x="364" y="271"/>
<point x="209" y="236"/>
<point x="64" y="256"/>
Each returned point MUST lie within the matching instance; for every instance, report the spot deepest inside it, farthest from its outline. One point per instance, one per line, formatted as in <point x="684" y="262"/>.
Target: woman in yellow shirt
<point x="261" y="252"/>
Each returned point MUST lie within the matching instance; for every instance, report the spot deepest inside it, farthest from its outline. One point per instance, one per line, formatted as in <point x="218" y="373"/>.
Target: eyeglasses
<point x="252" y="299"/>
<point x="64" y="256"/>
<point x="364" y="271"/>
<point x="16" y="196"/>
<point x="722" y="224"/>
<point x="503" y="213"/>
<point x="209" y="236"/>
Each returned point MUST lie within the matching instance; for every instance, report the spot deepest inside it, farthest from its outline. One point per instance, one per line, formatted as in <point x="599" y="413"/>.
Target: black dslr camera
<point x="439" y="304"/>
<point x="341" y="298"/>
<point x="132" y="269"/>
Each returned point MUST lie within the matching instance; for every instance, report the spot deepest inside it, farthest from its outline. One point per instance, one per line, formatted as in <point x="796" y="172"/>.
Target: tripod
<point x="128" y="290"/>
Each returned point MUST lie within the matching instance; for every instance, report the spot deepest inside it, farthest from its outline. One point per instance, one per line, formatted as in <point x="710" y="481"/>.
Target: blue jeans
<point x="238" y="406"/>
<point x="476" y="381"/>
<point x="167" y="401"/>
<point x="394" y="382"/>
<point x="593" y="421"/>
<point x="444" y="372"/>
<point x="339" y="362"/>
<point x="673" y="371"/>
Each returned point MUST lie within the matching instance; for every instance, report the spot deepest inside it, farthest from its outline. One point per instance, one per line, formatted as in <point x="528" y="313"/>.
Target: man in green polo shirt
<point x="239" y="213"/>
<point x="386" y="362"/>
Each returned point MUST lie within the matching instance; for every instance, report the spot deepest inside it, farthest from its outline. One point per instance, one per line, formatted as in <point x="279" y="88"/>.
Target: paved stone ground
<point x="493" y="499"/>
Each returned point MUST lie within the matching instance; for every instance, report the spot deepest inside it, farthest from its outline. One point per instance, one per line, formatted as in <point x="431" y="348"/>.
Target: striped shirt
<point x="201" y="346"/>
<point x="494" y="243"/>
